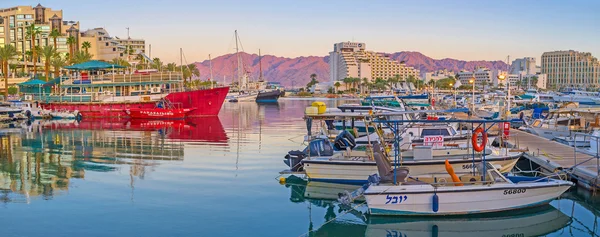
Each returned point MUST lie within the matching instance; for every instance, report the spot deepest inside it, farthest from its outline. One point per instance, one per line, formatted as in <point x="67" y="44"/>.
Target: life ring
<point x="479" y="147"/>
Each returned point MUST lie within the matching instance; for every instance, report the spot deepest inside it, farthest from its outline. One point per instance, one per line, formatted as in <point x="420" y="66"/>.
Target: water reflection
<point x="40" y="158"/>
<point x="341" y="220"/>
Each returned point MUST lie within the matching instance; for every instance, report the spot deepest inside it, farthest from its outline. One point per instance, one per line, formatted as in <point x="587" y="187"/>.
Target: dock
<point x="552" y="156"/>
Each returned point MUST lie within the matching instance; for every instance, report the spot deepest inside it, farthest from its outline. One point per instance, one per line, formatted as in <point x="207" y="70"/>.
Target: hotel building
<point x="571" y="68"/>
<point x="104" y="47"/>
<point x="490" y="77"/>
<point x="15" y="20"/>
<point x="350" y="59"/>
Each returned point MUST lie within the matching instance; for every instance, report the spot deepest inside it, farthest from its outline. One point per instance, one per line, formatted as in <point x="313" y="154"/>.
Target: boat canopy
<point x="93" y="65"/>
<point x="33" y="82"/>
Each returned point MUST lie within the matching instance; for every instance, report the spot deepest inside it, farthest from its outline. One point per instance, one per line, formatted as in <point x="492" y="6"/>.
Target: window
<point x="1" y="41"/>
<point x="435" y="132"/>
<point x="106" y="43"/>
<point x="1" y="29"/>
<point x="114" y="49"/>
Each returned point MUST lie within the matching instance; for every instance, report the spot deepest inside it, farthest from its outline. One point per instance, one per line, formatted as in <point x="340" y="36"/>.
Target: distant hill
<point x="297" y="71"/>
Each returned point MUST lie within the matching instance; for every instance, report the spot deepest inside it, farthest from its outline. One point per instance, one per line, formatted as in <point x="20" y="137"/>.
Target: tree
<point x="365" y="85"/>
<point x="55" y="34"/>
<point x="80" y="57"/>
<point x="7" y="53"/>
<point x="347" y="81"/>
<point x="120" y="62"/>
<point x="86" y="46"/>
<point x="337" y="86"/>
<point x="171" y="67"/>
<point x="394" y="81"/>
<point x="380" y="84"/>
<point x="157" y="64"/>
<point x="313" y="81"/>
<point x="31" y="32"/>
<point x="13" y="90"/>
<point x="71" y="41"/>
<point x="57" y="63"/>
<point x="518" y="83"/>
<point x="47" y="52"/>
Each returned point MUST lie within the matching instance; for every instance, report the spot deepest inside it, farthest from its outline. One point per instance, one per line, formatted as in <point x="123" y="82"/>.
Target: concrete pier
<point x="552" y="156"/>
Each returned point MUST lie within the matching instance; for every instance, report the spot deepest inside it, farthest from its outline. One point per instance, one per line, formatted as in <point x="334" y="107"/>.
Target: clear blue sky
<point x="462" y="29"/>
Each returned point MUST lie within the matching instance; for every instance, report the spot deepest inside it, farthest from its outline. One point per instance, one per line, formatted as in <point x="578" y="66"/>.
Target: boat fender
<point x="476" y="146"/>
<point x="28" y="114"/>
<point x="436" y="203"/>
<point x="282" y="180"/>
<point x="78" y="116"/>
<point x="453" y="175"/>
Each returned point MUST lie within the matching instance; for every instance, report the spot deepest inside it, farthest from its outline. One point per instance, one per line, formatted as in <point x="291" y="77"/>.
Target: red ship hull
<point x="158" y="113"/>
<point x="204" y="102"/>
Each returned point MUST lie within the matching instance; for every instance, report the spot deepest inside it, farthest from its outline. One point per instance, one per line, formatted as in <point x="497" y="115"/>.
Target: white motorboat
<point x="64" y="114"/>
<point x="324" y="164"/>
<point x="484" y="191"/>
<point x="30" y="109"/>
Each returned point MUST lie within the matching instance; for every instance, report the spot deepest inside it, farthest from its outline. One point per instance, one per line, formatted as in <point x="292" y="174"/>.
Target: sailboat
<point x="245" y="91"/>
<point x="270" y="93"/>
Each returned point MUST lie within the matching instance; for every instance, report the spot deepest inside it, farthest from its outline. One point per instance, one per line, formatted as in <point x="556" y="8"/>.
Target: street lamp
<point x="453" y="92"/>
<point x="502" y="77"/>
<point x="472" y="81"/>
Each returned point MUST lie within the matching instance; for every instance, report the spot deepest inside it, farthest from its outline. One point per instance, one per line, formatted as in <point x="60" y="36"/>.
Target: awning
<point x="93" y="65"/>
<point x="33" y="82"/>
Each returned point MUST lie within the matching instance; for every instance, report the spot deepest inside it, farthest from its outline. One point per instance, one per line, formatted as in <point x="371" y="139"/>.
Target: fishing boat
<point x="394" y="192"/>
<point x="99" y="92"/>
<point x="269" y="93"/>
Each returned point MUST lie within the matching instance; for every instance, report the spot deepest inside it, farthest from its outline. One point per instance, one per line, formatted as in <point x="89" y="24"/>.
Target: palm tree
<point x="7" y="53"/>
<point x="393" y="82"/>
<point x="47" y="52"/>
<point x="57" y="63"/>
<point x="157" y="64"/>
<point x="86" y="46"/>
<point x="347" y="81"/>
<point x="337" y="86"/>
<point x="55" y="34"/>
<point x="71" y="42"/>
<point x="32" y="32"/>
<point x="80" y="57"/>
<point x="171" y="67"/>
<point x="120" y="62"/>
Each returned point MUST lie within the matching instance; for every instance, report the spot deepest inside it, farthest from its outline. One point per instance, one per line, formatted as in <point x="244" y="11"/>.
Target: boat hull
<point x="417" y="200"/>
<point x="205" y="103"/>
<point x="268" y="96"/>
<point x="157" y="113"/>
<point x="357" y="172"/>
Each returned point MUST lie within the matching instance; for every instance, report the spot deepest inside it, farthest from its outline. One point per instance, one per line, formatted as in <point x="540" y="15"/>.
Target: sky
<point x="460" y="29"/>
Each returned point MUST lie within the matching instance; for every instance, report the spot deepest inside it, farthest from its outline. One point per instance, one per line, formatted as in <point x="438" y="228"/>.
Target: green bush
<point x="13" y="90"/>
<point x="304" y="94"/>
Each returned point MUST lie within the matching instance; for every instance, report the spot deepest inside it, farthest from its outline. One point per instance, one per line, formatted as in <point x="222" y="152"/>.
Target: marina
<point x="269" y="119"/>
<point x="138" y="161"/>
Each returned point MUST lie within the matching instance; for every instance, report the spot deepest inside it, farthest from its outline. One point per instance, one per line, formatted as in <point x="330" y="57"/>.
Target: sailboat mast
<point x="237" y="54"/>
<point x="210" y="68"/>
<point x="260" y="77"/>
<point x="181" y="63"/>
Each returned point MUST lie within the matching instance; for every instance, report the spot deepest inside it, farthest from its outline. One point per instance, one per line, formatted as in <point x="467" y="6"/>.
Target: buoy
<point x="453" y="175"/>
<point x="436" y="203"/>
<point x="476" y="146"/>
<point x="282" y="180"/>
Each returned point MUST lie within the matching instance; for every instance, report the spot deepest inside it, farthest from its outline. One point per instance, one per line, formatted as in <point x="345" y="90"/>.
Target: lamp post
<point x="502" y="77"/>
<point x="472" y="81"/>
<point x="454" y="93"/>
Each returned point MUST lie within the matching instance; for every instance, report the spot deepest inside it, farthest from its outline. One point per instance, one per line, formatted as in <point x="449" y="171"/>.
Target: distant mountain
<point x="427" y="64"/>
<point x="288" y="71"/>
<point x="296" y="71"/>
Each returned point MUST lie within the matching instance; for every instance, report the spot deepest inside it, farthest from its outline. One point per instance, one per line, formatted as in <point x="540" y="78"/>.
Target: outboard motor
<point x="318" y="147"/>
<point x="344" y="140"/>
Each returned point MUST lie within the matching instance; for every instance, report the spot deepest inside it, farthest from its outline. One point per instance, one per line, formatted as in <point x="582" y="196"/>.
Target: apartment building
<point x="105" y="47"/>
<point x="570" y="68"/>
<point x="483" y="76"/>
<point x="351" y="59"/>
<point x="15" y="20"/>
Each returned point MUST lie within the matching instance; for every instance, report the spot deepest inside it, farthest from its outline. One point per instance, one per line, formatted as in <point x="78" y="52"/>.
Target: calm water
<point x="211" y="177"/>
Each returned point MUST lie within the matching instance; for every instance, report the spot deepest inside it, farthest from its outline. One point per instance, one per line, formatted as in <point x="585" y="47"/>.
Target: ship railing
<point x="124" y="78"/>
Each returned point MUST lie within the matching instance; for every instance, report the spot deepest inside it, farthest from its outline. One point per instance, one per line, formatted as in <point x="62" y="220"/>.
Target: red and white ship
<point x="112" y="95"/>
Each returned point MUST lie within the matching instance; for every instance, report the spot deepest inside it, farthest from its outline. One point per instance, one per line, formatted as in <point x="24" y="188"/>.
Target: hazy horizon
<point x="464" y="30"/>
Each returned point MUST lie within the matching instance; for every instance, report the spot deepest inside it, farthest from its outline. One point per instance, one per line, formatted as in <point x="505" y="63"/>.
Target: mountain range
<point x="296" y="71"/>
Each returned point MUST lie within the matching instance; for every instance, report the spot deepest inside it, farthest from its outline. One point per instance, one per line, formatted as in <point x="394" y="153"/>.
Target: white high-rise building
<point x="351" y="59"/>
<point x="482" y="75"/>
<point x="526" y="65"/>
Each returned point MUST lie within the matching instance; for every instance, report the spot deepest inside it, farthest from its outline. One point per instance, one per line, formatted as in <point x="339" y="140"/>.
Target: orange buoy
<point x="453" y="175"/>
<point x="476" y="146"/>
